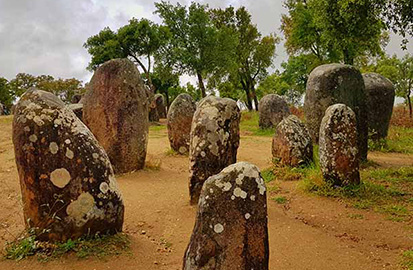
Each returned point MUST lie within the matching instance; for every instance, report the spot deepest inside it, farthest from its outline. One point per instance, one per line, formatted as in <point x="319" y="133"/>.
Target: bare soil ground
<point x="308" y="232"/>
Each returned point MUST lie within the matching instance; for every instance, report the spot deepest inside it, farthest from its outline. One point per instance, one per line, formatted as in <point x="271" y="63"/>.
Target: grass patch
<point x="249" y="125"/>
<point x="268" y="175"/>
<point x="280" y="200"/>
<point x="407" y="259"/>
<point x="399" y="140"/>
<point x="356" y="216"/>
<point x="97" y="246"/>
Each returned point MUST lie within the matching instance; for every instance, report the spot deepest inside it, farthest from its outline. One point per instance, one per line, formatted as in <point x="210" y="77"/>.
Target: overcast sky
<point x="47" y="36"/>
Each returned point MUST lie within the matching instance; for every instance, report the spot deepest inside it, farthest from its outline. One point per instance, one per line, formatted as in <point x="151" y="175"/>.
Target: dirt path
<point x="307" y="233"/>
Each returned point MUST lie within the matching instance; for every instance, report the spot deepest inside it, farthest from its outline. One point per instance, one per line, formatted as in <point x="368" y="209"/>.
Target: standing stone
<point x="231" y="225"/>
<point x="331" y="84"/>
<point x="115" y="108"/>
<point x="153" y="111"/>
<point x="160" y="105"/>
<point x="180" y="116"/>
<point x="272" y="109"/>
<point x="292" y="144"/>
<point x="214" y="140"/>
<point x="77" y="108"/>
<point x="67" y="182"/>
<point x="380" y="94"/>
<point x="2" y="109"/>
<point x="76" y="99"/>
<point x="338" y="150"/>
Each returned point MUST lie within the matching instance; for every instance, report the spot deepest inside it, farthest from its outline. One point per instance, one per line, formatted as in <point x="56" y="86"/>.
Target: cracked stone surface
<point x="231" y="225"/>
<point x="338" y="150"/>
<point x="331" y="84"/>
<point x="180" y="116"/>
<point x="67" y="181"/>
<point x="272" y="109"/>
<point x="291" y="144"/>
<point x="214" y="140"/>
<point x="380" y="94"/>
<point x="115" y="108"/>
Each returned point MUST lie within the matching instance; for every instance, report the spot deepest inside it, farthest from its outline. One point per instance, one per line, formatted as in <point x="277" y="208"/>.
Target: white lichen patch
<point x="33" y="138"/>
<point x="95" y="155"/>
<point x="104" y="187"/>
<point x="84" y="208"/>
<point x="227" y="186"/>
<point x="252" y="198"/>
<point x="69" y="153"/>
<point x="261" y="185"/>
<point x="54" y="148"/>
<point x="60" y="177"/>
<point x="247" y="216"/>
<point x="218" y="228"/>
<point x="67" y="141"/>
<point x="240" y="193"/>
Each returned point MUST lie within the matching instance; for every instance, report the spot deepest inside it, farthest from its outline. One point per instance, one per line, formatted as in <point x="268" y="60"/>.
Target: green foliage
<point x="249" y="125"/>
<point x="280" y="199"/>
<point x="407" y="260"/>
<point x="6" y="96"/>
<point x="334" y="30"/>
<point x="63" y="88"/>
<point x="268" y="175"/>
<point x="97" y="246"/>
<point x="399" y="140"/>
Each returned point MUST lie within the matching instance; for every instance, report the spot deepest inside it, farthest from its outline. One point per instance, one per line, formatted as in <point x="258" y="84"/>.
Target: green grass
<point x="399" y="140"/>
<point x="249" y="125"/>
<point x="268" y="175"/>
<point x="97" y="246"/>
<point x="407" y="260"/>
<point x="280" y="199"/>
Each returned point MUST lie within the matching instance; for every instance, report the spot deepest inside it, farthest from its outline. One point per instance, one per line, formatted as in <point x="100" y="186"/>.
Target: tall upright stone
<point x="180" y="116"/>
<point x="214" y="140"/>
<point x="272" y="109"/>
<point x="66" y="179"/>
<point x="115" y="108"/>
<point x="338" y="150"/>
<point x="291" y="143"/>
<point x="331" y="84"/>
<point x="231" y="225"/>
<point x="380" y="94"/>
<point x="160" y="105"/>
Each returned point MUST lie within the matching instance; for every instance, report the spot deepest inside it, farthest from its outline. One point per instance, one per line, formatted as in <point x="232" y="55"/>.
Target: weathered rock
<point x="2" y="109"/>
<point x="231" y="225"/>
<point x="76" y="98"/>
<point x="160" y="105"/>
<point x="153" y="112"/>
<point x="331" y="84"/>
<point x="214" y="140"/>
<point x="77" y="108"/>
<point x="180" y="116"/>
<point x="67" y="182"/>
<point x="272" y="109"/>
<point x="291" y="143"/>
<point x="380" y="94"/>
<point x="338" y="150"/>
<point x="115" y="108"/>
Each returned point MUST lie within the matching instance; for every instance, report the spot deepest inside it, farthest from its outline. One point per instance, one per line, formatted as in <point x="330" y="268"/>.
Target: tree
<point x="139" y="40"/>
<point x="335" y="30"/>
<point x="399" y="15"/>
<point x="196" y="46"/>
<point x="254" y="53"/>
<point x="6" y="96"/>
<point x="21" y="83"/>
<point x="400" y="72"/>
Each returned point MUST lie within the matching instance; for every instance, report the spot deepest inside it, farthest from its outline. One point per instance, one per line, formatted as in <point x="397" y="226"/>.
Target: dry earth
<point x="307" y="233"/>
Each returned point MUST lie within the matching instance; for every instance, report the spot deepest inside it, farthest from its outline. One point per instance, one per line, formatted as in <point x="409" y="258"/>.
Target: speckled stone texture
<point x="272" y="109"/>
<point x="77" y="108"/>
<point x="160" y="105"/>
<point x="338" y="150"/>
<point x="67" y="182"/>
<point x="291" y="144"/>
<point x="214" y="140"/>
<point x="231" y="225"/>
<point x="180" y="116"/>
<point x="115" y="108"/>
<point x="331" y="84"/>
<point x="380" y="101"/>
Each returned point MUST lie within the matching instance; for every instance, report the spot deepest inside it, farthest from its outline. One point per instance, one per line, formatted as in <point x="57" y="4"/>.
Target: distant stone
<point x="77" y="109"/>
<point x="331" y="84"/>
<point x="115" y="108"/>
<point x="231" y="225"/>
<point x="272" y="109"/>
<point x="67" y="182"/>
<point x="2" y="109"/>
<point x="380" y="101"/>
<point x="76" y="99"/>
<point x="291" y="144"/>
<point x="180" y="116"/>
<point x="338" y="150"/>
<point x="160" y="105"/>
<point x="214" y="140"/>
<point x="153" y="111"/>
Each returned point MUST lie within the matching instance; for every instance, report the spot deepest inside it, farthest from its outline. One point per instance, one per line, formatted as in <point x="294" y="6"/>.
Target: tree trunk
<point x="201" y="84"/>
<point x="410" y="106"/>
<point x="247" y="92"/>
<point x="348" y="59"/>
<point x="254" y="95"/>
<point x="167" y="100"/>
